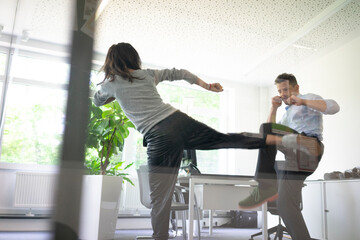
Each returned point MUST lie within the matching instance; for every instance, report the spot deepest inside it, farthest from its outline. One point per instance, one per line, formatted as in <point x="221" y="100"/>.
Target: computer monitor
<point x="189" y="162"/>
<point x="189" y="156"/>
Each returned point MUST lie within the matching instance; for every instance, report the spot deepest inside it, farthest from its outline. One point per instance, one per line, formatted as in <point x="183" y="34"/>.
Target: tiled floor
<point x="218" y="233"/>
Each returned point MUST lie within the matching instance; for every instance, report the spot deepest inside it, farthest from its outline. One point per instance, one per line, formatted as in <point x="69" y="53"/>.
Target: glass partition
<point x="36" y="38"/>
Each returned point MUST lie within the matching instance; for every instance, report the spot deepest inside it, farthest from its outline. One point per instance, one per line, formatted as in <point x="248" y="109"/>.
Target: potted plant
<point x="107" y="129"/>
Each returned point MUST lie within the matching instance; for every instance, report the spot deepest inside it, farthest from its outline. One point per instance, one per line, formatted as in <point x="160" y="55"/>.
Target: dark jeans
<point x="289" y="183"/>
<point x="165" y="144"/>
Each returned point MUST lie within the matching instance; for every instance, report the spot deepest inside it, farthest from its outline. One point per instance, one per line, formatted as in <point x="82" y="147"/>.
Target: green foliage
<point x="202" y="99"/>
<point x="29" y="136"/>
<point x="107" y="129"/>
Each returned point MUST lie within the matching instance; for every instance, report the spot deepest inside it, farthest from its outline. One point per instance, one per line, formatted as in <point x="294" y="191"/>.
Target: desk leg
<point x="191" y="209"/>
<point x="264" y="221"/>
<point x="210" y="222"/>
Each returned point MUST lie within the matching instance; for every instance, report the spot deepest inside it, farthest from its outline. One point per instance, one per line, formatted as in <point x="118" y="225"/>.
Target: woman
<point x="166" y="130"/>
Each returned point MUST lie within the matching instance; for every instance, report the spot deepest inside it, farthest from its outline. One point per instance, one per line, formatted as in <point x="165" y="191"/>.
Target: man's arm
<point x="275" y="104"/>
<point x="327" y="106"/>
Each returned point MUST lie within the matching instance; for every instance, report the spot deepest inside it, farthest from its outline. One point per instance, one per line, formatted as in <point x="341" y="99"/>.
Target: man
<point x="302" y="127"/>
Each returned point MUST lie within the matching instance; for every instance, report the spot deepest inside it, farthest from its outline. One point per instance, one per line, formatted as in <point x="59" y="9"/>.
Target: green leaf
<point x="92" y="141"/>
<point x="118" y="165"/>
<point x="106" y="131"/>
<point x="103" y="124"/>
<point x="117" y="107"/>
<point x="107" y="114"/>
<point x="128" y="179"/>
<point x="96" y="111"/>
<point x="129" y="165"/>
<point x="129" y="124"/>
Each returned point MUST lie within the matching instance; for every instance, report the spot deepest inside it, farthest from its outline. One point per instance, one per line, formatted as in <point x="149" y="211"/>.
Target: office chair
<point x="279" y="229"/>
<point x="178" y="203"/>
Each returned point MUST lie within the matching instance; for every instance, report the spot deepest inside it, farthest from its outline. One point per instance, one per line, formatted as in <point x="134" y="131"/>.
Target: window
<point x="35" y="111"/>
<point x="202" y="106"/>
<point x="43" y="70"/>
<point x="2" y="63"/>
<point x="2" y="70"/>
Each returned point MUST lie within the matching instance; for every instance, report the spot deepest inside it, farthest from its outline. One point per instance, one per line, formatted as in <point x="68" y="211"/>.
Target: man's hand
<point x="275" y="104"/>
<point x="276" y="101"/>
<point x="294" y="100"/>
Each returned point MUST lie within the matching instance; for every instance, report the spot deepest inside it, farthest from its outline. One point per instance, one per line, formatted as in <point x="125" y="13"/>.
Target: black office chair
<point x="279" y="229"/>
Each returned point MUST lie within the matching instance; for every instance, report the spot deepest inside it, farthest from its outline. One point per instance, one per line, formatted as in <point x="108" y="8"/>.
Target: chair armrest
<point x="182" y="187"/>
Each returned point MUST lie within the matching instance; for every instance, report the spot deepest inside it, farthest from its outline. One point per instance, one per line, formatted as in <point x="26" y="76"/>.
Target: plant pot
<point x="99" y="207"/>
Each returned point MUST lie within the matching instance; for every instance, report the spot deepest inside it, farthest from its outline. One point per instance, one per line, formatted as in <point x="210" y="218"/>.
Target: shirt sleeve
<point x="102" y="95"/>
<point x="332" y="106"/>
<point x="174" y="74"/>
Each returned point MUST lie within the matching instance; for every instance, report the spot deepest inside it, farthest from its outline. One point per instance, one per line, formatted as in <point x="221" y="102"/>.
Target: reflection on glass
<point x="41" y="69"/>
<point x="38" y="34"/>
<point x="202" y="106"/>
<point x="2" y="64"/>
<point x="34" y="125"/>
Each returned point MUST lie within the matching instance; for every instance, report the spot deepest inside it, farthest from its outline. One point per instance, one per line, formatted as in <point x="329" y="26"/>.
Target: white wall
<point x="336" y="75"/>
<point x="245" y="114"/>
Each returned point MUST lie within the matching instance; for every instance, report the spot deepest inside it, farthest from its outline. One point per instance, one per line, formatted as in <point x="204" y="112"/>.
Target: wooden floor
<point x="218" y="233"/>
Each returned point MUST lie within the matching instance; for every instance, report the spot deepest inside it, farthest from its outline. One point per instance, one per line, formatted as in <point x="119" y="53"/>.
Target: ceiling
<point x="249" y="41"/>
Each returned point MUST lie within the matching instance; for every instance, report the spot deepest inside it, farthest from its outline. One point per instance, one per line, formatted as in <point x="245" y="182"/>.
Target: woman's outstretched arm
<point x="214" y="87"/>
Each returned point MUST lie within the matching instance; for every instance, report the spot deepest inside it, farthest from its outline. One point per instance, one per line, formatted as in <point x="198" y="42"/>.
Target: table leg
<point x="264" y="221"/>
<point x="210" y="221"/>
<point x="191" y="209"/>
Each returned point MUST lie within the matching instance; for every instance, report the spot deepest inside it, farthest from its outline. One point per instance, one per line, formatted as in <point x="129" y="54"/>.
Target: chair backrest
<point x="272" y="206"/>
<point x="144" y="185"/>
<point x="273" y="209"/>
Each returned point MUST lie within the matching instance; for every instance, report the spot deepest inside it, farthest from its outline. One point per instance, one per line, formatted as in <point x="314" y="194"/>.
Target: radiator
<point x="34" y="189"/>
<point x="130" y="196"/>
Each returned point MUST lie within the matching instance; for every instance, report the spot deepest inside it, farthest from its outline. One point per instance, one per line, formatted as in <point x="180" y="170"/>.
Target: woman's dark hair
<point x="286" y="77"/>
<point x="120" y="58"/>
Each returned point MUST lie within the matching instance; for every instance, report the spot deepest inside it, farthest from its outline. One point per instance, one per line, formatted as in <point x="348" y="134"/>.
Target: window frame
<point x="36" y="50"/>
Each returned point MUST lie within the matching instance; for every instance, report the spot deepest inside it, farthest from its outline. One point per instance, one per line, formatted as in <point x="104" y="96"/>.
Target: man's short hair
<point x="286" y="77"/>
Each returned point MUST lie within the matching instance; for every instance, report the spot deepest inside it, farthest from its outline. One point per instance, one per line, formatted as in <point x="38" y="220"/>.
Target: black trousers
<point x="289" y="182"/>
<point x="165" y="144"/>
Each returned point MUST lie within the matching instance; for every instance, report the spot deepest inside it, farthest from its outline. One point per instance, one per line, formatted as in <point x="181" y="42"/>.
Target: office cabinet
<point x="332" y="209"/>
<point x="342" y="209"/>
<point x="312" y="209"/>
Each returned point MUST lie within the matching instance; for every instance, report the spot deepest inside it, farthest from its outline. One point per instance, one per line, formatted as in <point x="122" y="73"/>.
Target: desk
<point x="220" y="192"/>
